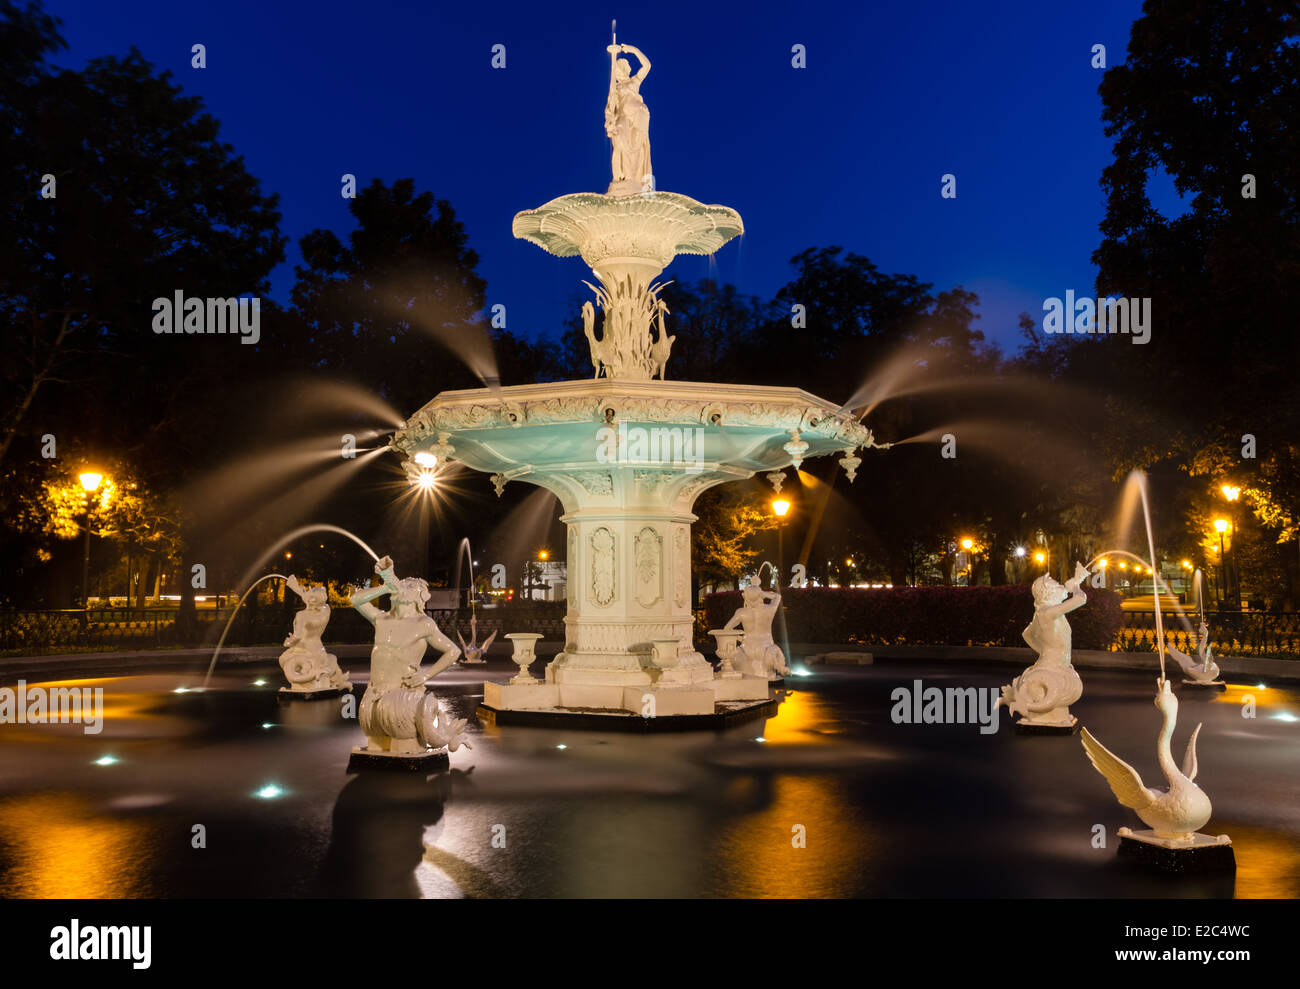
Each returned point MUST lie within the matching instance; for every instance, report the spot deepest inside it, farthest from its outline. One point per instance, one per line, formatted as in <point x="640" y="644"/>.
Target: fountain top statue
<point x="629" y="234"/>
<point x="627" y="123"/>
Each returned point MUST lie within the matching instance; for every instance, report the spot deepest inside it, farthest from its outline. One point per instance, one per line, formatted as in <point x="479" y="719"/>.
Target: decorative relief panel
<point x="571" y="565"/>
<point x="649" y="567"/>
<point x="681" y="567"/>
<point x="597" y="482"/>
<point x="604" y="580"/>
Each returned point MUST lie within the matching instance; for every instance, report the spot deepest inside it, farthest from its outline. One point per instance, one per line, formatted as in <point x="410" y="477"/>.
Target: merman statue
<point x="399" y="717"/>
<point x="306" y="665"/>
<point x="758" y="654"/>
<point x="1042" y="695"/>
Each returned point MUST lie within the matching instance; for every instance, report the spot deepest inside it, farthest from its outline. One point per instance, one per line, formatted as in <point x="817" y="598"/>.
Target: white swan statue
<point x="1174" y="815"/>
<point x="1206" y="672"/>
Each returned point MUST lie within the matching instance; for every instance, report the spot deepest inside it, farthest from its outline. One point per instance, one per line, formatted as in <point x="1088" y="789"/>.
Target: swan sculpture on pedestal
<point x="1174" y="815"/>
<point x="472" y="652"/>
<point x="1204" y="673"/>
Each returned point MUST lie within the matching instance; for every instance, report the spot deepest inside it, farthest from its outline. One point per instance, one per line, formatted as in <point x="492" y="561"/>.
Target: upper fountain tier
<point x="628" y="235"/>
<point x="647" y="228"/>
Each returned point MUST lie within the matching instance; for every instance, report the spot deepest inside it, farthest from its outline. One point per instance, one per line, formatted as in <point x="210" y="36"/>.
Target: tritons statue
<point x="1042" y="695"/>
<point x="758" y="654"/>
<point x="397" y="714"/>
<point x="306" y="664"/>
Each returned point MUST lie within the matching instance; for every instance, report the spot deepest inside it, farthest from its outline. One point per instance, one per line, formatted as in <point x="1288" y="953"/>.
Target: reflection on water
<point x="544" y="813"/>
<point x="59" y="846"/>
<point x="757" y="855"/>
<point x="1268" y="862"/>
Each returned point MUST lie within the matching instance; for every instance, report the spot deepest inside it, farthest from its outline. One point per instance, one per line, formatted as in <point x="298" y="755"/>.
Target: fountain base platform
<point x="1035" y="728"/>
<point x="289" y="694"/>
<point x="1202" y="853"/>
<point x="725" y="714"/>
<point x="363" y="760"/>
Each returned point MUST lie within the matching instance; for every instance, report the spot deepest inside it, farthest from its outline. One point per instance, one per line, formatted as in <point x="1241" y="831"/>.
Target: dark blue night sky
<point x="848" y="151"/>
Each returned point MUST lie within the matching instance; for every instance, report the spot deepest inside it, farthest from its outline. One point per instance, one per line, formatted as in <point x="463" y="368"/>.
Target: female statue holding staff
<point x="627" y="122"/>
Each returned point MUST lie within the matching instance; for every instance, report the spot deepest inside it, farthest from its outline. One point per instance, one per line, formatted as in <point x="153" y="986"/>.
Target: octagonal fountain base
<point x="725" y="714"/>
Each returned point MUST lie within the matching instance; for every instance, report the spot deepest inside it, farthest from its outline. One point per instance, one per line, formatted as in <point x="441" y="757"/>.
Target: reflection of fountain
<point x="311" y="671"/>
<point x="1042" y="695"/>
<point x="405" y="725"/>
<point x="1173" y="842"/>
<point x="627" y="456"/>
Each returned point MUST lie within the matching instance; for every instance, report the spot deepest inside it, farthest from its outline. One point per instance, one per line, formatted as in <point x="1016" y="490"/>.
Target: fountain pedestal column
<point x="629" y="595"/>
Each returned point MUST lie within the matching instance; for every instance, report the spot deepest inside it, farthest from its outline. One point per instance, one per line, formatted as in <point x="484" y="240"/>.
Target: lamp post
<point x="90" y="482"/>
<point x="966" y="545"/>
<point x="1232" y="493"/>
<point x="779" y="508"/>
<point x="1221" y="525"/>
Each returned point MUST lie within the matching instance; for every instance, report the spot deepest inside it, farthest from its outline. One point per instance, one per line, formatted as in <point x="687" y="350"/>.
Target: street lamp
<point x="90" y="482"/>
<point x="779" y="508"/>
<point x="1232" y="493"/>
<point x="966" y="545"/>
<point x="1221" y="525"/>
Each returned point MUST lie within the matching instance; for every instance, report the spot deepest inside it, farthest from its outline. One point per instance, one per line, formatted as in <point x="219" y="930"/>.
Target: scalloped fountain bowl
<point x="627" y="459"/>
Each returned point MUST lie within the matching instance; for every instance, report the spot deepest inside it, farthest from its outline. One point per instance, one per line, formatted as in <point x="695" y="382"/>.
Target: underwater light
<point x="106" y="760"/>
<point x="269" y="792"/>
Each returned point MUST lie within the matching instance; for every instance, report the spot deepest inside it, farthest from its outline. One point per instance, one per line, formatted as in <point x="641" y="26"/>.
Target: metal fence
<point x="35" y="632"/>
<point x="108" y="629"/>
<point x="1245" y="633"/>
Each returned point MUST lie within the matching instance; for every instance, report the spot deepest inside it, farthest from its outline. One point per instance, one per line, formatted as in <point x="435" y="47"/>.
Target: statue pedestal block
<point x="289" y="694"/>
<point x="1055" y="728"/>
<point x="521" y="696"/>
<point x="740" y="689"/>
<point x="669" y="701"/>
<point x="1201" y="854"/>
<point x="403" y="762"/>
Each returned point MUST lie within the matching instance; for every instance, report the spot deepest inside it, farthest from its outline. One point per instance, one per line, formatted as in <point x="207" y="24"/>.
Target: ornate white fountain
<point x="627" y="455"/>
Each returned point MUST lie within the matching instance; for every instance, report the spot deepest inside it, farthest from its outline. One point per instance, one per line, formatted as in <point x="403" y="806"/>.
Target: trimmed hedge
<point x="940" y="616"/>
